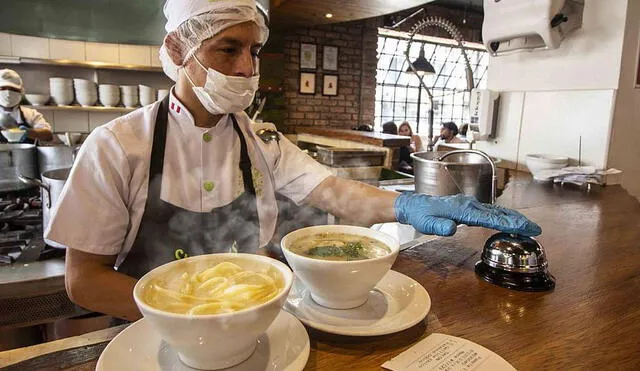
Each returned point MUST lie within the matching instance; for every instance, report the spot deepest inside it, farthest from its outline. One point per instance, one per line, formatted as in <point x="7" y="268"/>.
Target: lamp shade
<point x="422" y="65"/>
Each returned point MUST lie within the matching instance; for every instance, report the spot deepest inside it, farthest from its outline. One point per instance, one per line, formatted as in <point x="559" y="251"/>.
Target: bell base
<point x="541" y="281"/>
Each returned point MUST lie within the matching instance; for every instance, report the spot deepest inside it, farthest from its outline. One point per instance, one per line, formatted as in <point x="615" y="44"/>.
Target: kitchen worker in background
<point x="14" y="117"/>
<point x="188" y="175"/>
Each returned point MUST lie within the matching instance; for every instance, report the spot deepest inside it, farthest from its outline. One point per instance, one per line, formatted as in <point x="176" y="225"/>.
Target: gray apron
<point x="168" y="232"/>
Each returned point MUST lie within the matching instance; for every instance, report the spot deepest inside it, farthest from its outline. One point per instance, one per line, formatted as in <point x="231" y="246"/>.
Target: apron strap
<point x="159" y="139"/>
<point x="245" y="161"/>
<point x="22" y="119"/>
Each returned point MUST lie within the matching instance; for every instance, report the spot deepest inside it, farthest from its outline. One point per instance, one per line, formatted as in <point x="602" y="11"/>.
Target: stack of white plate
<point x="129" y="95"/>
<point x="86" y="92"/>
<point x="162" y="93"/>
<point x="61" y="90"/>
<point x="109" y="95"/>
<point x="147" y="95"/>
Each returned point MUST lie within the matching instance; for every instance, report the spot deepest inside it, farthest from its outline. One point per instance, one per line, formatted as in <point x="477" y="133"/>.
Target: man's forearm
<point x="354" y="201"/>
<point x="100" y="288"/>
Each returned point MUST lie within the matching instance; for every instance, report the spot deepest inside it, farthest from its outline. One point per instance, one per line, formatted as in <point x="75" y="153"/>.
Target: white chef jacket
<point x="31" y="116"/>
<point x="102" y="203"/>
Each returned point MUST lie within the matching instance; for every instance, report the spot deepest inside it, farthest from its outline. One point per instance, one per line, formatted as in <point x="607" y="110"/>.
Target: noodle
<point x="223" y="288"/>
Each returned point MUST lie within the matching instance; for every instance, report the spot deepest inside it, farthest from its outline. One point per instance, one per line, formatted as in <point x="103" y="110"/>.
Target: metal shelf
<point x="83" y="109"/>
<point x="70" y="63"/>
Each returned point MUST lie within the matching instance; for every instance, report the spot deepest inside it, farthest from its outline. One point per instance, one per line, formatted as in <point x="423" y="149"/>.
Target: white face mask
<point x="9" y="98"/>
<point x="223" y="94"/>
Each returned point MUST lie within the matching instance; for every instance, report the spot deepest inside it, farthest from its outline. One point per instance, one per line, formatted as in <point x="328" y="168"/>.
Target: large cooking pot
<point x="50" y="190"/>
<point x="450" y="173"/>
<point x="51" y="157"/>
<point x="16" y="159"/>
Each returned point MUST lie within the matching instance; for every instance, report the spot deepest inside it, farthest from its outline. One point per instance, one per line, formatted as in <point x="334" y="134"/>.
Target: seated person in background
<point x="14" y="117"/>
<point x="364" y="127"/>
<point x="449" y="134"/>
<point x="416" y="142"/>
<point x="390" y="128"/>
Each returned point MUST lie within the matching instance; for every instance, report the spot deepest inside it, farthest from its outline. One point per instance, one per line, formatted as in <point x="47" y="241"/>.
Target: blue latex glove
<point x="440" y="215"/>
<point x="26" y="132"/>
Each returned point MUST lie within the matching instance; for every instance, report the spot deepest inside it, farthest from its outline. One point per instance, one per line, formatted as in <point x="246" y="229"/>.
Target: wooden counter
<point x="590" y="322"/>
<point x="372" y="138"/>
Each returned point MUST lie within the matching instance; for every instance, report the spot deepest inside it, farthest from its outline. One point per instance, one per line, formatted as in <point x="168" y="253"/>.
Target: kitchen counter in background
<point x="590" y="321"/>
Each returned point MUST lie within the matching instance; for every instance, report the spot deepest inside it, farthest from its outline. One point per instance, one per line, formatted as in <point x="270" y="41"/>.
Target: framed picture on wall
<point x="307" y="83"/>
<point x="330" y="85"/>
<point x="330" y="58"/>
<point x="308" y="56"/>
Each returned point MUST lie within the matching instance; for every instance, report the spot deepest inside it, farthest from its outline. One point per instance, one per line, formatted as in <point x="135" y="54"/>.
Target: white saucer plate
<point x="396" y="303"/>
<point x="285" y="346"/>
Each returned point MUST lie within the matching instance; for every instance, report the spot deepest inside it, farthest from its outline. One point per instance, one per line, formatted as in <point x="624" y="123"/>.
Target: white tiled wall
<point x="67" y="49"/>
<point x="29" y="47"/>
<point x="553" y="123"/>
<point x="71" y="121"/>
<point x="101" y="52"/>
<point x="100" y="118"/>
<point x="135" y="54"/>
<point x="5" y="44"/>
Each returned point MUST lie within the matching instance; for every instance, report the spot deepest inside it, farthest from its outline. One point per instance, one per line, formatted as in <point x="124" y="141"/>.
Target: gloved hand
<point x="440" y="215"/>
<point x="26" y="133"/>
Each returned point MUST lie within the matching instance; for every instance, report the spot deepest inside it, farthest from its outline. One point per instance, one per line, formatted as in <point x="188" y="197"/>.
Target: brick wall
<point x="357" y="59"/>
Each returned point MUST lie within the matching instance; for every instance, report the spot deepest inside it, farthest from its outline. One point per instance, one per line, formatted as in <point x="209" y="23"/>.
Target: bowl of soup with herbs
<point x="339" y="264"/>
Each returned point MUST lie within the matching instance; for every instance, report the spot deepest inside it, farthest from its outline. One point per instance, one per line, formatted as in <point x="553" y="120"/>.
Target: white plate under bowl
<point x="396" y="303"/>
<point x="285" y="346"/>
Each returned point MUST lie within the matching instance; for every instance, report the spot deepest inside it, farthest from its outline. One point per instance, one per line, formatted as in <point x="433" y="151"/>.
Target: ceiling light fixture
<point x="329" y="15"/>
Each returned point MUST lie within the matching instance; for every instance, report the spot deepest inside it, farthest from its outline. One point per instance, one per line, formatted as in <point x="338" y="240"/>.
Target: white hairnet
<point x="196" y="21"/>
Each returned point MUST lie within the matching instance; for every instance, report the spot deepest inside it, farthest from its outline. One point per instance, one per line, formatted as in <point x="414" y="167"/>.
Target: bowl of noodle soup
<point x="212" y="308"/>
<point x="339" y="264"/>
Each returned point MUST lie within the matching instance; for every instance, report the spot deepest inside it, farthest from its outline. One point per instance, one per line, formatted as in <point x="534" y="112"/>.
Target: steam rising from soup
<point x="339" y="247"/>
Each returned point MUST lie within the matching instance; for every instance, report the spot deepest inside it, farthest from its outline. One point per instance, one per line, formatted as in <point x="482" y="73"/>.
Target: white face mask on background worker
<point x="10" y="89"/>
<point x="220" y="93"/>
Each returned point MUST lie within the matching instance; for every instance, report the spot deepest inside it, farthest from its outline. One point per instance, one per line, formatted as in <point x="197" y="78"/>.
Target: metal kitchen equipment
<point x="465" y="171"/>
<point x="16" y="159"/>
<point x="515" y="262"/>
<point x="349" y="157"/>
<point x="51" y="157"/>
<point x="50" y="187"/>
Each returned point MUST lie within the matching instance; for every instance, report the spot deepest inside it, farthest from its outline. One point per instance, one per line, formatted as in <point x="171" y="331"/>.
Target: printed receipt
<point x="440" y="352"/>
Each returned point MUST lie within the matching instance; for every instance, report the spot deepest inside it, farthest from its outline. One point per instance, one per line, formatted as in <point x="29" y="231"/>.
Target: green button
<point x="206" y="137"/>
<point x="208" y="186"/>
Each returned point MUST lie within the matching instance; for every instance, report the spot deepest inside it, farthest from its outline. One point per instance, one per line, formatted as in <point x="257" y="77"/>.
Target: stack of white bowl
<point x="162" y="93"/>
<point x="129" y="95"/>
<point x="147" y="95"/>
<point x="86" y="92"/>
<point x="61" y="90"/>
<point x="109" y="95"/>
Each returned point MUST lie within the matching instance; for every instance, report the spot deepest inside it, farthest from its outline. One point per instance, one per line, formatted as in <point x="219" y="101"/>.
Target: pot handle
<point x="37" y="183"/>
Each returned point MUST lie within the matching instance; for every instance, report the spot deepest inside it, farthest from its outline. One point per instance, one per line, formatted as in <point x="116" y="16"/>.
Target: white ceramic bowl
<point x="62" y="99"/>
<point x="37" y="99"/>
<point x="218" y="340"/>
<point x="162" y="93"/>
<point x="70" y="139"/>
<point x="86" y="101"/>
<point x="13" y="136"/>
<point x="539" y="162"/>
<point x="340" y="284"/>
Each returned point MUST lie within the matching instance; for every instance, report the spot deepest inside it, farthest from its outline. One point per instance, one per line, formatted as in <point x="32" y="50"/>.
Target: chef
<point x="188" y="175"/>
<point x="13" y="116"/>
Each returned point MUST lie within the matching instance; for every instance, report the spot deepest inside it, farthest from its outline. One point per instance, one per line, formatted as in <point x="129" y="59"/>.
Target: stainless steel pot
<point x="16" y="159"/>
<point x="50" y="189"/>
<point x="55" y="157"/>
<point x="450" y="173"/>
